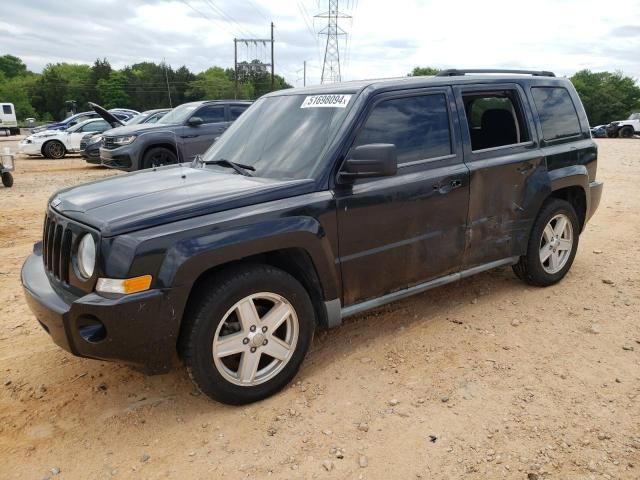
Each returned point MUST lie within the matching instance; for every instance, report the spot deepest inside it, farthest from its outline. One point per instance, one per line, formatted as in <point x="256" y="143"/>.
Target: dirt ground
<point x="483" y="379"/>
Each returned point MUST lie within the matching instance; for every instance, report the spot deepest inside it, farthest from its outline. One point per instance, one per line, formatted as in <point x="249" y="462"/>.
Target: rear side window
<point x="6" y="109"/>
<point x="556" y="111"/>
<point x="236" y="110"/>
<point x="417" y="125"/>
<point x="495" y="119"/>
<point x="211" y="114"/>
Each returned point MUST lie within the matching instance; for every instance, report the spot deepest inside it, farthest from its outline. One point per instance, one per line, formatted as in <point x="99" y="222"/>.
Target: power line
<point x="221" y="13"/>
<point x="203" y="15"/>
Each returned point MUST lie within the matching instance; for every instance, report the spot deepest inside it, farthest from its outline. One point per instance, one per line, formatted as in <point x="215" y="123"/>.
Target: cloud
<point x="383" y="41"/>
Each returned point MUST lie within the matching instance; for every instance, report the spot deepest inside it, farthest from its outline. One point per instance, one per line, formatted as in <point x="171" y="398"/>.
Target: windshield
<point x="283" y="136"/>
<point x="179" y="114"/>
<point x="137" y="119"/>
<point x="78" y="126"/>
<point x="635" y="116"/>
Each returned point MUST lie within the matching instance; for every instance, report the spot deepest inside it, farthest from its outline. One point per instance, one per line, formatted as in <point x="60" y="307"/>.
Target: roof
<point x="415" y="82"/>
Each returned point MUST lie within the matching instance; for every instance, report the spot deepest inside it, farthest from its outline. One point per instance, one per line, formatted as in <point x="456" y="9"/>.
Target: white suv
<point x="625" y="128"/>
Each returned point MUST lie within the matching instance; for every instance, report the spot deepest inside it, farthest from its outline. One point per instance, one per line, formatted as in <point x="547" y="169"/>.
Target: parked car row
<point x="625" y="128"/>
<point x="148" y="139"/>
<point x="122" y="114"/>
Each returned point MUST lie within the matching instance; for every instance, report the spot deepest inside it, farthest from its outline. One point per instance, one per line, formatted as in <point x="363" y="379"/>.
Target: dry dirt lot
<point x="483" y="379"/>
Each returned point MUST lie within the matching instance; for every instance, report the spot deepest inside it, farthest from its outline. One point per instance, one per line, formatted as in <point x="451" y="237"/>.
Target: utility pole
<point x="235" y="66"/>
<point x="272" y="64"/>
<point x="249" y="66"/>
<point x="304" y="74"/>
<point x="331" y="66"/>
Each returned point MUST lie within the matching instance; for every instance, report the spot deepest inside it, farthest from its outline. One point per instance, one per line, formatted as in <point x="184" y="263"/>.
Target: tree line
<point x="141" y="86"/>
<point x="606" y="96"/>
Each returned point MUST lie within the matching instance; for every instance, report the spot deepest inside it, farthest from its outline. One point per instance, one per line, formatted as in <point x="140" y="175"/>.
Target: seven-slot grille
<point x="56" y="247"/>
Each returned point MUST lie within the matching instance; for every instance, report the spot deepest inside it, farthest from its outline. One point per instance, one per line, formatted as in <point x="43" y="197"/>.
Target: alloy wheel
<point x="256" y="339"/>
<point x="556" y="243"/>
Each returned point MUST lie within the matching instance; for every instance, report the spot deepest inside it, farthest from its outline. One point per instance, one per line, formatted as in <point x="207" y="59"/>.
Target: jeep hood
<point x="147" y="198"/>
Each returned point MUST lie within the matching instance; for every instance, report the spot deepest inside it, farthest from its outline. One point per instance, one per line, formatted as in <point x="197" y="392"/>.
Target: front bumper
<point x="595" y="194"/>
<point x="91" y="155"/>
<point x="119" y="158"/>
<point x="139" y="329"/>
<point x="30" y="148"/>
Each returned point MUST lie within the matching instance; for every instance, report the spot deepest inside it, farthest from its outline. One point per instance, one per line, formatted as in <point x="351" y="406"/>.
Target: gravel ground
<point x="486" y="378"/>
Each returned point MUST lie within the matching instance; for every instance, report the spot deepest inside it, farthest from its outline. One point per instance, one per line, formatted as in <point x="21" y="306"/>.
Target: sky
<point x="384" y="38"/>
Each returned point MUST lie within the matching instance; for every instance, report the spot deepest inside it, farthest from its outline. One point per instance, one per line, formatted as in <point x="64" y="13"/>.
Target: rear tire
<point x="552" y="245"/>
<point x="626" y="132"/>
<point x="7" y="179"/>
<point x="158" y="157"/>
<point x="246" y="333"/>
<point x="54" y="149"/>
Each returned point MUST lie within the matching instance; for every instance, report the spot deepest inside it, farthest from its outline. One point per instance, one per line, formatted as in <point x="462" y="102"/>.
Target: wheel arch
<point x="572" y="184"/>
<point x="162" y="144"/>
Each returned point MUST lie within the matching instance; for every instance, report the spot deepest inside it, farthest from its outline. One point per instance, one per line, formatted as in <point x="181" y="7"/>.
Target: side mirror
<point x="195" y="121"/>
<point x="373" y="160"/>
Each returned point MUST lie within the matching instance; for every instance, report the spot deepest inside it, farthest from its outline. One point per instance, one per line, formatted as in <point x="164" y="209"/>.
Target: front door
<point x="197" y="139"/>
<point x="395" y="232"/>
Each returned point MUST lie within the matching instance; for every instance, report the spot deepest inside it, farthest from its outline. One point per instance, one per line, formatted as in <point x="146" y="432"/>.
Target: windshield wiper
<point x="238" y="167"/>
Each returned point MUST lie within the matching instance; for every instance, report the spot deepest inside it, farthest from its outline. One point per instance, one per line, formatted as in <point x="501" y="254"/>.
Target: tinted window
<point x="418" y="126"/>
<point x="236" y="110"/>
<point x="557" y="113"/>
<point x="494" y="119"/>
<point x="211" y="114"/>
<point x="95" y="127"/>
<point x="6" y="109"/>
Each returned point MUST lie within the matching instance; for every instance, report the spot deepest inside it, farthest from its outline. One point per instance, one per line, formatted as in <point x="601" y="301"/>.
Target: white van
<point x="8" y="121"/>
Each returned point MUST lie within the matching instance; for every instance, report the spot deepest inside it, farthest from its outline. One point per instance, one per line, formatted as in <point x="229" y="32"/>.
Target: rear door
<point x="506" y="167"/>
<point x="395" y="232"/>
<point x="197" y="139"/>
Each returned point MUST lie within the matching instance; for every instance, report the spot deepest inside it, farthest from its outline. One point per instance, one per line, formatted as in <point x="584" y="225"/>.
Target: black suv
<point x="179" y="136"/>
<point x="316" y="204"/>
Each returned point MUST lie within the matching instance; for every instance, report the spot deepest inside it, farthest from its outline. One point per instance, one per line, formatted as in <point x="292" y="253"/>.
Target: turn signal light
<point x="124" y="286"/>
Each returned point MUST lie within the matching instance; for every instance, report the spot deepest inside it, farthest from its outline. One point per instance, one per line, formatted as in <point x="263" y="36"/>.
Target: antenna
<point x="166" y="76"/>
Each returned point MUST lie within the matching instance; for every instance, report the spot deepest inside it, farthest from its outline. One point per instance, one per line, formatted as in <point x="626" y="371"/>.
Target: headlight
<point x="124" y="140"/>
<point x="95" y="139"/>
<point x="87" y="256"/>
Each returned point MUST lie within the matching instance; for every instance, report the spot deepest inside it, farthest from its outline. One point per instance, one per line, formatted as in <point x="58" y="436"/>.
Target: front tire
<point x="552" y="245"/>
<point x="54" y="149"/>
<point x="7" y="179"/>
<point x="247" y="332"/>
<point x="626" y="132"/>
<point x="158" y="157"/>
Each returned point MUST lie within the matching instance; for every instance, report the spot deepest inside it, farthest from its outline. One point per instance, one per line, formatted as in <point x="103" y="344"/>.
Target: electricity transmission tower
<point x="333" y="31"/>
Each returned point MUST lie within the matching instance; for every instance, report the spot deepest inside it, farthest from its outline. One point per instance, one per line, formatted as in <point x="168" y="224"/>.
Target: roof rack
<point x="454" y="72"/>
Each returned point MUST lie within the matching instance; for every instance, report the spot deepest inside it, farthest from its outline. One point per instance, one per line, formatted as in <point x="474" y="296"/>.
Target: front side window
<point x="418" y="126"/>
<point x="558" y="116"/>
<point x="236" y="110"/>
<point x="494" y="119"/>
<point x="6" y="109"/>
<point x="211" y="114"/>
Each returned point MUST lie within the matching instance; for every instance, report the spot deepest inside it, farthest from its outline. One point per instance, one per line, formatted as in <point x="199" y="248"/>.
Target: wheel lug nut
<point x="252" y="328"/>
<point x="253" y="349"/>
<point x="265" y="341"/>
<point x="264" y="329"/>
<point x="245" y="340"/>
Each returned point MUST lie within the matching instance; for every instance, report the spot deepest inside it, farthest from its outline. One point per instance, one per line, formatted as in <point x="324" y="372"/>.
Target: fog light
<point x="124" y="286"/>
<point x="91" y="329"/>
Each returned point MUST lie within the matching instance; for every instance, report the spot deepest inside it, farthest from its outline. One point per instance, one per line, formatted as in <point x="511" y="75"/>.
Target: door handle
<point x="446" y="187"/>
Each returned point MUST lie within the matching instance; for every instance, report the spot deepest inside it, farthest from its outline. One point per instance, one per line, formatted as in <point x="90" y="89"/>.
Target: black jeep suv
<point x="179" y="136"/>
<point x="316" y="204"/>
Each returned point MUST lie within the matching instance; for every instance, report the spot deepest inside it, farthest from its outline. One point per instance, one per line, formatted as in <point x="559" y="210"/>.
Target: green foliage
<point x="12" y="67"/>
<point x="112" y="91"/>
<point x="607" y="96"/>
<point x="16" y="90"/>
<point x="423" y="71"/>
